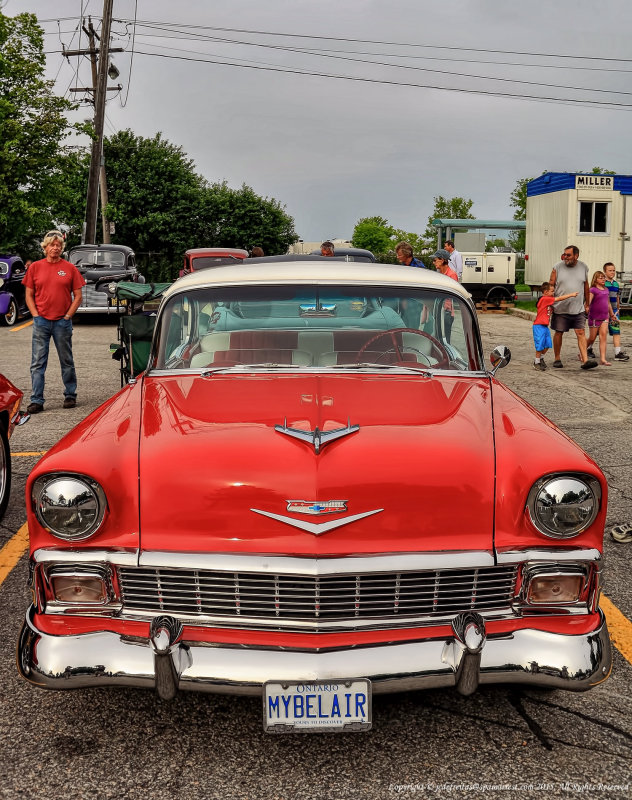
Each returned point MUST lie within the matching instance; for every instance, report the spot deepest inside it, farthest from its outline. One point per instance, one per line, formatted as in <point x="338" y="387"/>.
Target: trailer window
<point x="593" y="217"/>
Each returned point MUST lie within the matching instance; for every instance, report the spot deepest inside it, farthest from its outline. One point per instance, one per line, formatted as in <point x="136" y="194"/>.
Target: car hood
<point x="217" y="475"/>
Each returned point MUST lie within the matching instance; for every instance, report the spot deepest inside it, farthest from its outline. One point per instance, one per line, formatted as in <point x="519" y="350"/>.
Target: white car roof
<point x="317" y="272"/>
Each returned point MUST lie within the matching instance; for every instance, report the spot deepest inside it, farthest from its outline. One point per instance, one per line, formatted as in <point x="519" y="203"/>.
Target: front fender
<point x="5" y="300"/>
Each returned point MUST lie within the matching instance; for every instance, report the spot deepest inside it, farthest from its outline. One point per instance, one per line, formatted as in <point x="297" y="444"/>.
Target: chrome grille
<point x="90" y="298"/>
<point x="265" y="598"/>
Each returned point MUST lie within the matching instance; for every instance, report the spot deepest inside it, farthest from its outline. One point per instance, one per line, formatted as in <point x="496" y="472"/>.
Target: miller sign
<point x="594" y="182"/>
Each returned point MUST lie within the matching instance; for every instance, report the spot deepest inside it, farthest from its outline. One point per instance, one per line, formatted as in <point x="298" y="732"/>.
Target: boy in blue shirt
<point x="614" y="329"/>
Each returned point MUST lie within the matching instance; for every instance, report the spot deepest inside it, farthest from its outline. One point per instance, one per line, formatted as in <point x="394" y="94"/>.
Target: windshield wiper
<point x="370" y="365"/>
<point x="208" y="371"/>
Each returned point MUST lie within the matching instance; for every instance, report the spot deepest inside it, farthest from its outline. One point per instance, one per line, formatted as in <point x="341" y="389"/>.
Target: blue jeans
<point x="61" y="331"/>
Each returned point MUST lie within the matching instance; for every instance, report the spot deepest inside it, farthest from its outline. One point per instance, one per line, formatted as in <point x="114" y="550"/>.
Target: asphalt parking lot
<point x="103" y="743"/>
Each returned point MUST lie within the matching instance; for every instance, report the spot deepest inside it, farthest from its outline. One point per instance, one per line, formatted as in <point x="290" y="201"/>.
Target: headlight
<point x="71" y="507"/>
<point x="79" y="589"/>
<point x="555" y="589"/>
<point x="561" y="506"/>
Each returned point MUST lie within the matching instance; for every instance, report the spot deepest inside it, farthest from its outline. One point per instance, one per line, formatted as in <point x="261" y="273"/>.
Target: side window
<point x="458" y="339"/>
<point x="179" y="330"/>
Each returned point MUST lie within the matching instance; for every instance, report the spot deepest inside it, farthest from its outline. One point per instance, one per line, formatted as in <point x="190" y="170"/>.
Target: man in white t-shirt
<point x="456" y="259"/>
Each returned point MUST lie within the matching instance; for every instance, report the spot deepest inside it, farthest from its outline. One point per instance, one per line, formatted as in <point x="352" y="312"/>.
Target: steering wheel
<point x="443" y="358"/>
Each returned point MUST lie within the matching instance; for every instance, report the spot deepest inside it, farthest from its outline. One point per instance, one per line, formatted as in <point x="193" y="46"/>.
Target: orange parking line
<point x="20" y="327"/>
<point x="36" y="453"/>
<point x="619" y="627"/>
<point x="13" y="551"/>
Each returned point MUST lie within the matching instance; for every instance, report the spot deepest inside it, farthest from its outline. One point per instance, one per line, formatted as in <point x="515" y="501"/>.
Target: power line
<point x="451" y="59"/>
<point x="181" y="26"/>
<point x="427" y="69"/>
<point x="131" y="64"/>
<point x="591" y="103"/>
<point x="157" y="24"/>
<point x="415" y="68"/>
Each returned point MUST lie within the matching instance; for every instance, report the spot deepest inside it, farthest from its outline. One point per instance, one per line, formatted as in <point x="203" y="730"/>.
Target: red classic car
<point x="10" y="416"/>
<point x="203" y="257"/>
<point x="365" y="508"/>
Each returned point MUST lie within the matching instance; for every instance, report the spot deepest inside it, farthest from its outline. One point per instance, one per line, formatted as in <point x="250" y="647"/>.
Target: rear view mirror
<point x="499" y="357"/>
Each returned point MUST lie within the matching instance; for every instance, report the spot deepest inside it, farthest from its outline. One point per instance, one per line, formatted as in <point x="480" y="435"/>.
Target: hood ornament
<point x="317" y="437"/>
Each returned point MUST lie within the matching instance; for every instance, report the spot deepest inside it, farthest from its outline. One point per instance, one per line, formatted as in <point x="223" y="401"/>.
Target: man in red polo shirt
<point x="53" y="294"/>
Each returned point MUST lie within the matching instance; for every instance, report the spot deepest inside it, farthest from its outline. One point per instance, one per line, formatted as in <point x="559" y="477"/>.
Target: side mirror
<point x="499" y="357"/>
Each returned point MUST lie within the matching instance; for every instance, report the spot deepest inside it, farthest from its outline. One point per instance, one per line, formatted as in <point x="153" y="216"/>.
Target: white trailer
<point x="589" y="211"/>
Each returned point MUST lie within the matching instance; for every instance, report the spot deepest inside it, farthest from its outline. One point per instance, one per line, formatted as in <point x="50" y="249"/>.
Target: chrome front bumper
<point x="167" y="663"/>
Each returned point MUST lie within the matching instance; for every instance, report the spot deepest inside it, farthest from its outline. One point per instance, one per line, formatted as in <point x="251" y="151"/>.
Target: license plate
<point x="114" y="302"/>
<point x="317" y="706"/>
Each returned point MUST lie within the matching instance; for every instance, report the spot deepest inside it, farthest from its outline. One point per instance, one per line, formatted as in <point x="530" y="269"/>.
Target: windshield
<point x="201" y="262"/>
<point x="101" y="258"/>
<point x="316" y="326"/>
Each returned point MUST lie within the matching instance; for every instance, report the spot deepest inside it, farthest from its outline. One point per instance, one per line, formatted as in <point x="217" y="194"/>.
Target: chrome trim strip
<point x="323" y="565"/>
<point x="548" y="554"/>
<point x="527" y="656"/>
<point x="331" y="370"/>
<point x="119" y="558"/>
<point x="292" y="626"/>
<point x="317" y="528"/>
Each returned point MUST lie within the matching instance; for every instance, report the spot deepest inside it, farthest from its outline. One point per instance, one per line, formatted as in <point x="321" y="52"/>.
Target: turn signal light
<point x="555" y="589"/>
<point x="79" y="589"/>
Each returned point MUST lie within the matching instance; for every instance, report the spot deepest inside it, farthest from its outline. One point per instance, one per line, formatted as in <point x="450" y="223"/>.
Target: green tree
<point x="162" y="207"/>
<point x="68" y="206"/>
<point x="489" y="245"/>
<point x="155" y="197"/>
<point x="446" y="208"/>
<point x="32" y="132"/>
<point x="241" y="218"/>
<point x="374" y="234"/>
<point x="518" y="200"/>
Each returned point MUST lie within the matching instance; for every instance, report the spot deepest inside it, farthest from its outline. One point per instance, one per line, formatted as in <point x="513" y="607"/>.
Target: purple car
<point x="12" y="293"/>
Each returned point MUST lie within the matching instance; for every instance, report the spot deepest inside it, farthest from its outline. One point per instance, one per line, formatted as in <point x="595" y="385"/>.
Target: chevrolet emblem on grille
<point x="314" y="507"/>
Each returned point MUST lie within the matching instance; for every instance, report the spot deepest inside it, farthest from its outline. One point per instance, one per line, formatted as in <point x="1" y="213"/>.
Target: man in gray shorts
<point x="570" y="275"/>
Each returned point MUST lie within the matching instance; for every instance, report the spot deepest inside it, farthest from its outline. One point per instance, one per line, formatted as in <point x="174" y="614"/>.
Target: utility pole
<point x="99" y="116"/>
<point x="99" y="89"/>
<point x="103" y="185"/>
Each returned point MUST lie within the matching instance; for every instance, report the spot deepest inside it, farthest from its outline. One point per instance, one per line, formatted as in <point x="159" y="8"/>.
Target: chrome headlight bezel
<point x="45" y="483"/>
<point x="544" y="526"/>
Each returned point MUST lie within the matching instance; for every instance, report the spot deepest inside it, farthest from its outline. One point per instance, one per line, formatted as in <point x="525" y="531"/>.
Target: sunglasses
<point x="57" y="234"/>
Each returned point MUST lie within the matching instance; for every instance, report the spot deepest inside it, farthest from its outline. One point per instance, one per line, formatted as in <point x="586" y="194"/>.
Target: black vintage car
<point x="103" y="266"/>
<point x="12" y="293"/>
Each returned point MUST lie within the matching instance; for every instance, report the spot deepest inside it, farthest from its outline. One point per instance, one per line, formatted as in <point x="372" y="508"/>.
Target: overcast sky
<point x="334" y="150"/>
